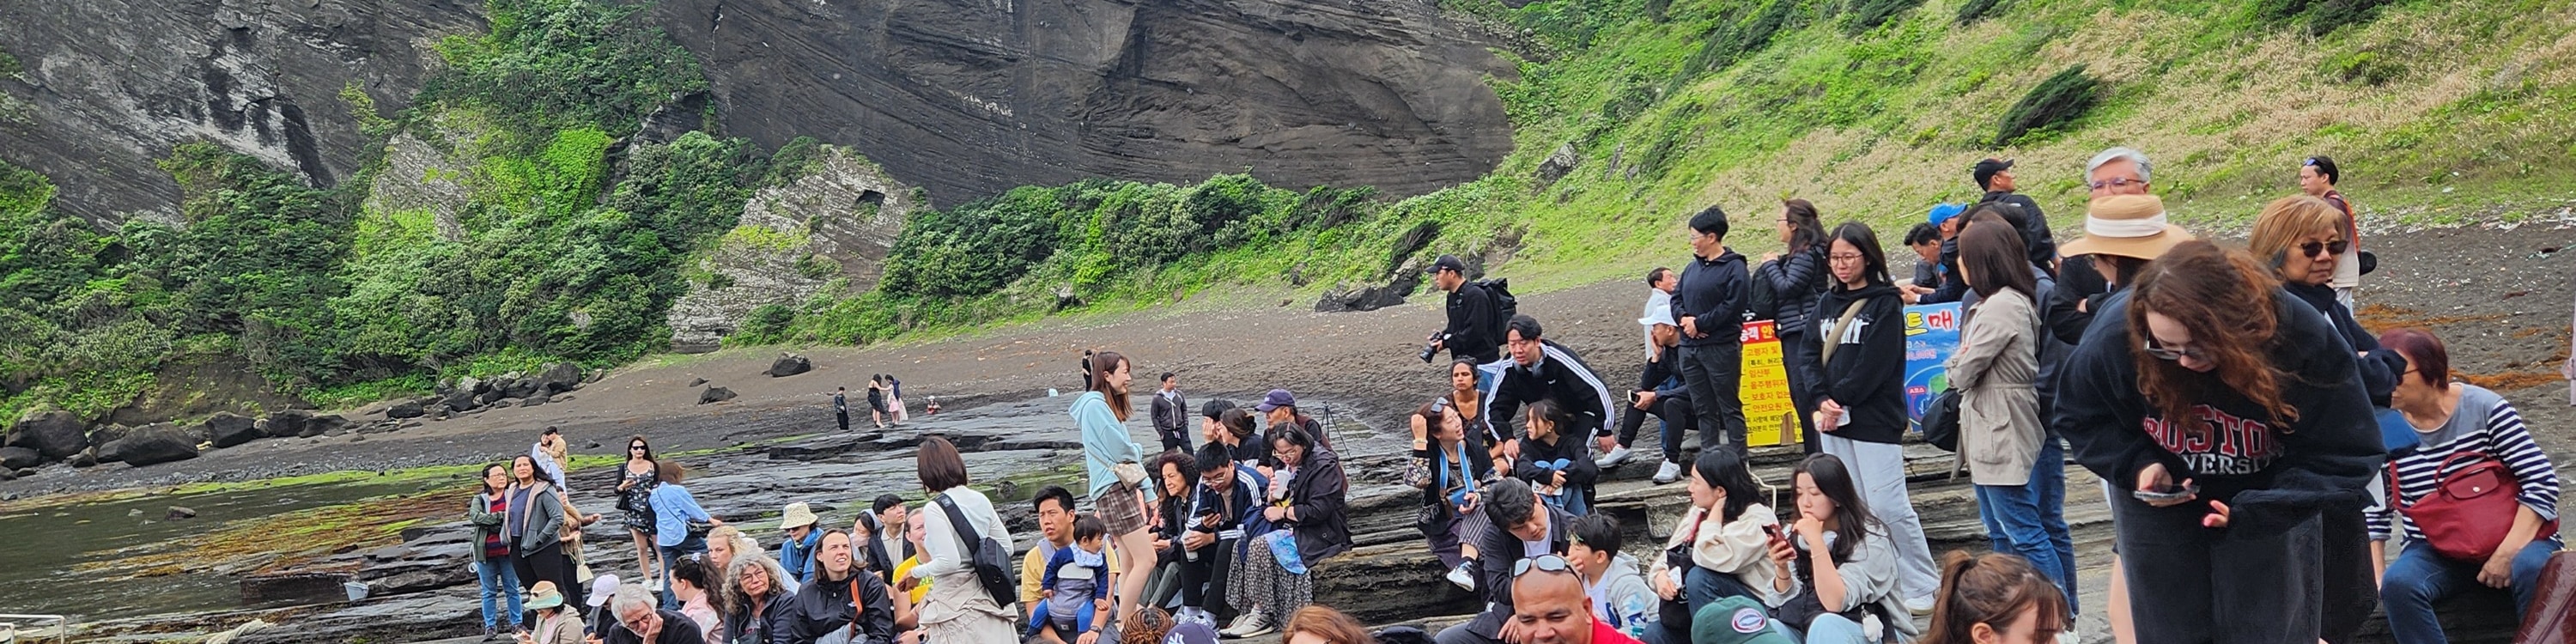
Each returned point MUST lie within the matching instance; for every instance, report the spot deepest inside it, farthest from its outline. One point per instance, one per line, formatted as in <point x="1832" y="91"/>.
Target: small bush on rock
<point x="2055" y="103"/>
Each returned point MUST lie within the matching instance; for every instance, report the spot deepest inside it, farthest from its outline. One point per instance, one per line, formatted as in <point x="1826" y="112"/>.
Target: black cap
<point x="1447" y="263"/>
<point x="1215" y="409"/>
<point x="1986" y="169"/>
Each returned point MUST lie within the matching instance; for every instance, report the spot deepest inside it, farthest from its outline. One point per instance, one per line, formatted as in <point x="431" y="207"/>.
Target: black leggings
<point x="549" y="564"/>
<point x="1674" y="410"/>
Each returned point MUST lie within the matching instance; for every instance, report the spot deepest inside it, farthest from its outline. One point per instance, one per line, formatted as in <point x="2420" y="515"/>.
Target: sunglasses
<point x="2311" y="249"/>
<point x="2115" y="182"/>
<point x="1549" y="563"/>
<point x="2178" y="353"/>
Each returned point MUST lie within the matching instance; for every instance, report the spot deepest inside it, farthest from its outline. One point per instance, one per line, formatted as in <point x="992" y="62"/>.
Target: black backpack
<point x="991" y="560"/>
<point x="1505" y="305"/>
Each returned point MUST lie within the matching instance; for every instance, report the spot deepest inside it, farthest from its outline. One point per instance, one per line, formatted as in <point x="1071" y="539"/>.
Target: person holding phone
<point x="2209" y="394"/>
<point x="1453" y="468"/>
<point x="1727" y="545"/>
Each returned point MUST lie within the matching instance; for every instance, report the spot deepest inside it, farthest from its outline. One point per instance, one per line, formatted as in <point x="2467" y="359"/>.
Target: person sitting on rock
<point x="1076" y="586"/>
<point x="1451" y="465"/>
<point x="1559" y="466"/>
<point x="1522" y="528"/>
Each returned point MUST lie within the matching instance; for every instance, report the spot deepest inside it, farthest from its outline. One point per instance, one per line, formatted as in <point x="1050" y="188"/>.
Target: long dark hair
<point x="1724" y="470"/>
<point x="1992" y="253"/>
<point x="1101" y="364"/>
<point x="1852" y="519"/>
<point x="1806" y="228"/>
<point x="536" y="471"/>
<point x="630" y="447"/>
<point x="2226" y="300"/>
<point x="1873" y="258"/>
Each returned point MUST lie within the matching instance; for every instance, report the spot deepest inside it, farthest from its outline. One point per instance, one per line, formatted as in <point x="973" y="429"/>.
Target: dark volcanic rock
<point x="405" y="410"/>
<point x="789" y="364"/>
<point x="226" y="429"/>
<point x="971" y="98"/>
<point x="557" y="377"/>
<point x="179" y="512"/>
<point x="150" y="446"/>
<point x="715" y="395"/>
<point x="286" y="423"/>
<point x="12" y="458"/>
<point x="54" y="434"/>
<point x="107" y="434"/>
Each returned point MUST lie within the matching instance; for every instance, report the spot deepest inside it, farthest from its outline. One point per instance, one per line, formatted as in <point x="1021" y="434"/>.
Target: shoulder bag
<point x="986" y="555"/>
<point x="2467" y="514"/>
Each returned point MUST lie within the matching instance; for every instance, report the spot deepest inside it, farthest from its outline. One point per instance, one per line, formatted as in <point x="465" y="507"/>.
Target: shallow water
<point x="43" y="549"/>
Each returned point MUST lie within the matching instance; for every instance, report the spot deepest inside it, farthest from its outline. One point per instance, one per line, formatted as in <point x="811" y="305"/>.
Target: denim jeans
<point x="2048" y="482"/>
<point x="1700" y="587"/>
<point x="1828" y="628"/>
<point x="690" y="546"/>
<point x="2011" y="514"/>
<point x="2017" y="521"/>
<point x="2420" y="578"/>
<point x="499" y="578"/>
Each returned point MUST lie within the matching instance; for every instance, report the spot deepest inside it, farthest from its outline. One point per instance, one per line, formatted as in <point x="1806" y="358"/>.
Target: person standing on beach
<point x="1117" y="469"/>
<point x="841" y="407"/>
<point x="2317" y="177"/>
<point x="1172" y="416"/>
<point x="1471" y="333"/>
<point x="494" y="567"/>
<point x="877" y="400"/>
<point x="1715" y="293"/>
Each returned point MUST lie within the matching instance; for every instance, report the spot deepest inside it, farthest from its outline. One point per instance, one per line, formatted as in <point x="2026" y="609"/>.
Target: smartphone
<point x="2179" y="493"/>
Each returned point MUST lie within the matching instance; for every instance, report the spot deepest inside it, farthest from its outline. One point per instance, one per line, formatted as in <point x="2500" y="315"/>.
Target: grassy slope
<point x="2475" y="107"/>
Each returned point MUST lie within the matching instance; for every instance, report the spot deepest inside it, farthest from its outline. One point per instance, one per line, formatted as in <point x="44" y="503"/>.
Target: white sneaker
<point x="1668" y="473"/>
<point x="1260" y="626"/>
<point x="1919" y="607"/>
<point x="1464" y="575"/>
<point x="1240" y="621"/>
<point x="1613" y="458"/>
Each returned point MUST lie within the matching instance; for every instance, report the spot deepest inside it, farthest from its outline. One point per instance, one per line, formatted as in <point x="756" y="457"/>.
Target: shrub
<point x="2323" y="16"/>
<point x="2054" y="103"/>
<point x="1728" y="43"/>
<point x="1872" y="13"/>
<point x="1974" y="10"/>
<point x="2364" y="68"/>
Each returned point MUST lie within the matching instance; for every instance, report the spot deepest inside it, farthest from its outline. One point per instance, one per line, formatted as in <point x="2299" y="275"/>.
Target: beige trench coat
<point x="1994" y="369"/>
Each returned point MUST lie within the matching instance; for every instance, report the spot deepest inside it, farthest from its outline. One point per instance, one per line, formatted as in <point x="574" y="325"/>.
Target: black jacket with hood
<point x="1316" y="498"/>
<point x="1472" y="325"/>
<point x="1866" y="373"/>
<point x="2268" y="473"/>
<point x="826" y="606"/>
<point x="1719" y="292"/>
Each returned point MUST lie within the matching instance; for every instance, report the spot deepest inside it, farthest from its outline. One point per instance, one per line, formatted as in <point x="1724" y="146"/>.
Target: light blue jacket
<point x="673" y="509"/>
<point x="1105" y="442"/>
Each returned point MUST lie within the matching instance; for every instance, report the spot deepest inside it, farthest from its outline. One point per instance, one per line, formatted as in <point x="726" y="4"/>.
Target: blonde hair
<point x="2277" y="231"/>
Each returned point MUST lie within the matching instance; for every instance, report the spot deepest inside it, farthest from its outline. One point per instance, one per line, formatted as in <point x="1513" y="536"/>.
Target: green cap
<point x="1734" y="620"/>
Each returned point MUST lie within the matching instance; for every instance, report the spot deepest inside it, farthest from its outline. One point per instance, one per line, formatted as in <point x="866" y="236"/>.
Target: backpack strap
<point x="965" y="531"/>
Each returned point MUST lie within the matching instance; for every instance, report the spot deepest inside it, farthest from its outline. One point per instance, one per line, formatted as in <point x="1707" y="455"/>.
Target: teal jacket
<point x="1105" y="442"/>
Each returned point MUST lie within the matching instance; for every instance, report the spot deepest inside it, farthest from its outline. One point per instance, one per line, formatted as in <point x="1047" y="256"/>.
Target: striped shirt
<point x="2484" y="423"/>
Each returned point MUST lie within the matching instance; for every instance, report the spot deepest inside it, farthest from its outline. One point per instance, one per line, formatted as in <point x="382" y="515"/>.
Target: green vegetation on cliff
<point x="576" y="229"/>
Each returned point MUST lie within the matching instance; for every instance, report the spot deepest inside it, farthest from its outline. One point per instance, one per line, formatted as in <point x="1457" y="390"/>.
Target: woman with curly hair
<point x="2203" y="392"/>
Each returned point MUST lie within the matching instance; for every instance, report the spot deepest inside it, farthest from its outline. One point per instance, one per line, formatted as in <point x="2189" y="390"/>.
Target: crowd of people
<point x="2259" y="450"/>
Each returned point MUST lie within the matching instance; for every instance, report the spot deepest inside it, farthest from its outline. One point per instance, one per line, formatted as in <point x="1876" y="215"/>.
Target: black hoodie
<point x="1719" y="291"/>
<point x="2266" y="473"/>
<point x="1866" y="374"/>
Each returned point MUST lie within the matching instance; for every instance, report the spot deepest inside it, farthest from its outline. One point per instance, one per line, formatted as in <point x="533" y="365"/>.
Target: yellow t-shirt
<point x="902" y="570"/>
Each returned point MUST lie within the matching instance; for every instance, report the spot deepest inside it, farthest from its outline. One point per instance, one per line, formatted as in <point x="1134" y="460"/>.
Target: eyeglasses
<point x="2115" y="182"/>
<point x="1845" y="257"/>
<point x="2310" y="249"/>
<point x="2174" y="353"/>
<point x="1549" y="563"/>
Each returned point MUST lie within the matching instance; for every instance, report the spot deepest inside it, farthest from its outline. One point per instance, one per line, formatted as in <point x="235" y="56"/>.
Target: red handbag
<point x="2469" y="510"/>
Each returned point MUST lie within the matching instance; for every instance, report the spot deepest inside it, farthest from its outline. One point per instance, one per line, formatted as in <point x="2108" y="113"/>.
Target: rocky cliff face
<point x="965" y="97"/>
<point x="970" y="97"/>
<point x="836" y="223"/>
<point x="108" y="85"/>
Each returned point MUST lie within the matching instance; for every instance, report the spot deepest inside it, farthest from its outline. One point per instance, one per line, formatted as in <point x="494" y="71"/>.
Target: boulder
<point x="517" y="387"/>
<point x="1559" y="163"/>
<point x="464" y="400"/>
<point x="151" y="446"/>
<point x="226" y="429"/>
<point x="789" y="364"/>
<point x="533" y="401"/>
<point x="53" y="434"/>
<point x="697" y="382"/>
<point x="288" y="423"/>
<point x="471" y="385"/>
<point x="12" y="458"/>
<point x="87" y="458"/>
<point x="715" y="395"/>
<point x="108" y="434"/>
<point x="179" y="512"/>
<point x="557" y="377"/>
<point x="325" y="424"/>
<point x="405" y="409"/>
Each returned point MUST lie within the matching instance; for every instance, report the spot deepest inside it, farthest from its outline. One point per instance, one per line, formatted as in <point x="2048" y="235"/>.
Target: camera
<point x="1431" y="346"/>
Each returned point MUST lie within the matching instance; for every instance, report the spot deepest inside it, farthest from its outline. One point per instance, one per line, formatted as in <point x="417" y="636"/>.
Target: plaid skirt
<point x="1120" y="508"/>
<point x="1259" y="581"/>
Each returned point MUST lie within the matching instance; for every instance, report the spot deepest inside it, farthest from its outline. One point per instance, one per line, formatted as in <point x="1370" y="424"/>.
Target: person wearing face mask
<point x="2202" y="393"/>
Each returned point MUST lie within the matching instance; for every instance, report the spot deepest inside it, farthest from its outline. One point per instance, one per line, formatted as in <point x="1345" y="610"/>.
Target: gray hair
<point x="2134" y="156"/>
<point x="630" y="596"/>
<point x="733" y="593"/>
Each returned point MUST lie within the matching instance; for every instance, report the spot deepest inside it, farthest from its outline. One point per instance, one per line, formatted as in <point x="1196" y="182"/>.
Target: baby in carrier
<point x="1077" y="583"/>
